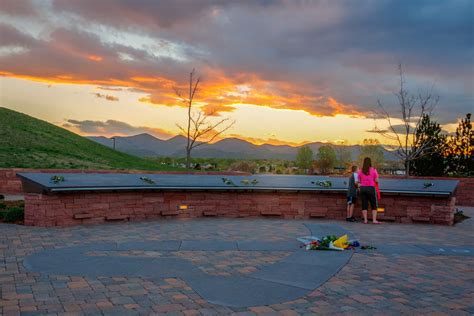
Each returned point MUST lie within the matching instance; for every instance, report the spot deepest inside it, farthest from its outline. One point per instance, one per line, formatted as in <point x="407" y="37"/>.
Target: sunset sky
<point x="285" y="71"/>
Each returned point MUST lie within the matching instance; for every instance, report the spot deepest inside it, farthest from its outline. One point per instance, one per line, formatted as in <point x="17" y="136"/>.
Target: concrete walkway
<point x="241" y="266"/>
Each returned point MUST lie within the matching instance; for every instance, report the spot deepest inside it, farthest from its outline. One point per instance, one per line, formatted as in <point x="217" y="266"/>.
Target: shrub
<point x="14" y="214"/>
<point x="3" y="206"/>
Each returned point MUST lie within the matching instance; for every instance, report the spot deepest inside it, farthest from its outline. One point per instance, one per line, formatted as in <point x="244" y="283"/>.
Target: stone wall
<point x="11" y="184"/>
<point x="465" y="191"/>
<point x="95" y="207"/>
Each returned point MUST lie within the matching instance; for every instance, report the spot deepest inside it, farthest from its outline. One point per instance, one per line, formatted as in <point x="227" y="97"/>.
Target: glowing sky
<point x="285" y="71"/>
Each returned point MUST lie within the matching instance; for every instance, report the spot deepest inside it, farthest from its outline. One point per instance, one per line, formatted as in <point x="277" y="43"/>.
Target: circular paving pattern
<point x="286" y="272"/>
<point x="407" y="274"/>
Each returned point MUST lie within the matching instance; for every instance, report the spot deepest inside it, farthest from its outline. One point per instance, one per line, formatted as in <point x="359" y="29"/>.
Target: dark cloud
<point x="150" y="14"/>
<point x="113" y="128"/>
<point x="17" y="7"/>
<point x="106" y="96"/>
<point x="10" y="36"/>
<point x="325" y="57"/>
<point x="398" y="128"/>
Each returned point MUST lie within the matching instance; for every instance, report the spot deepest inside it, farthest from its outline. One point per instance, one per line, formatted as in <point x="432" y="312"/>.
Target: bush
<point x="14" y="214"/>
<point x="3" y="206"/>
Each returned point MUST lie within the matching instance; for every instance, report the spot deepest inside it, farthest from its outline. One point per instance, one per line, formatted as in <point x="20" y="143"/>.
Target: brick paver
<point x="372" y="283"/>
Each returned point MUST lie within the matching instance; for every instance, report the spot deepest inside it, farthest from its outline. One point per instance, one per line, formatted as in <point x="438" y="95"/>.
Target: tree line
<point x="438" y="153"/>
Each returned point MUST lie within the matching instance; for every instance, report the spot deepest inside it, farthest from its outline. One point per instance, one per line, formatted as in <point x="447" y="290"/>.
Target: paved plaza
<point x="235" y="266"/>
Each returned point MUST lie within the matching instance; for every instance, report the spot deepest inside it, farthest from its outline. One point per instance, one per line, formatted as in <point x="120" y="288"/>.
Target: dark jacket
<point x="352" y="188"/>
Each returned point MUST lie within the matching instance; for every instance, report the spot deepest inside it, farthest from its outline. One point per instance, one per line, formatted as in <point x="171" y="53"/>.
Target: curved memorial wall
<point x="65" y="199"/>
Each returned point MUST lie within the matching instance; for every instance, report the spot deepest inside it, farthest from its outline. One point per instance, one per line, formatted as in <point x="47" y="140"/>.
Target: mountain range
<point x="146" y="145"/>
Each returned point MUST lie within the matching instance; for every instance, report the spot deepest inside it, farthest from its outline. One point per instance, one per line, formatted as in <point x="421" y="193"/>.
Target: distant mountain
<point x="146" y="145"/>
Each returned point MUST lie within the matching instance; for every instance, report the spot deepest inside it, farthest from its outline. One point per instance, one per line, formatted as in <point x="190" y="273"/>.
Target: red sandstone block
<point x="298" y="204"/>
<point x="174" y="196"/>
<point x="319" y="209"/>
<point x="312" y="204"/>
<point x="116" y="217"/>
<point x="195" y="196"/>
<point x="413" y="211"/>
<point x="170" y="212"/>
<point x="316" y="215"/>
<point x="83" y="215"/>
<point x="81" y="201"/>
<point x="420" y="219"/>
<point x="209" y="213"/>
<point x="328" y="202"/>
<point x="95" y="220"/>
<point x="214" y="196"/>
<point x="128" y="197"/>
<point x="100" y="206"/>
<point x="153" y="199"/>
<point x="286" y="201"/>
<point x="270" y="212"/>
<point x="386" y="218"/>
<point x="332" y="208"/>
<point x="73" y="206"/>
<point x="267" y="198"/>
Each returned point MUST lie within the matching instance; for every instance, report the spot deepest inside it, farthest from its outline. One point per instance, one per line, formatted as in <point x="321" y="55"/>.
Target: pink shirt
<point x="368" y="180"/>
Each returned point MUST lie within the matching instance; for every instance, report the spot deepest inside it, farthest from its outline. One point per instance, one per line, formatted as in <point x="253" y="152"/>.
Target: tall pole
<point x="114" y="142"/>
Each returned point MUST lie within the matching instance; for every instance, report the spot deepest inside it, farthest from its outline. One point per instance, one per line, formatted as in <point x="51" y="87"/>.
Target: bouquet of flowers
<point x="329" y="242"/>
<point x="323" y="244"/>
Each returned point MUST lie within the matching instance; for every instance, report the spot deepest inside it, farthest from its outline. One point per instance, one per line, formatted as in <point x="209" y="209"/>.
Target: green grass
<point x="26" y="142"/>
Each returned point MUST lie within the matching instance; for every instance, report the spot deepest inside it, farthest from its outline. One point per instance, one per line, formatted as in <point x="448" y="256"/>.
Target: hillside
<point x="26" y="142"/>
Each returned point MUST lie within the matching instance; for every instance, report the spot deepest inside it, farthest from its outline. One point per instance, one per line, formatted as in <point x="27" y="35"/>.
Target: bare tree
<point x="200" y="130"/>
<point x="413" y="107"/>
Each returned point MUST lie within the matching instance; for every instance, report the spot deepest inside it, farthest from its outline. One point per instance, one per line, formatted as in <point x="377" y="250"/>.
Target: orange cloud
<point x="163" y="82"/>
<point x="218" y="96"/>
<point x="95" y="58"/>
<point x="216" y="109"/>
<point x="223" y="94"/>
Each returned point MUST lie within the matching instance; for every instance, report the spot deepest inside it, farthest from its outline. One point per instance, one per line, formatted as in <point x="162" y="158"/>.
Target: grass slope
<point x="26" y="142"/>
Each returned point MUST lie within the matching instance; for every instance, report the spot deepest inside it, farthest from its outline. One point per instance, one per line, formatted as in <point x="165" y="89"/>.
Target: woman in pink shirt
<point x="368" y="176"/>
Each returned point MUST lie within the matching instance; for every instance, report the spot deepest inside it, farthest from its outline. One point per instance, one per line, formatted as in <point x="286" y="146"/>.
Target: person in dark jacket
<point x="352" y="194"/>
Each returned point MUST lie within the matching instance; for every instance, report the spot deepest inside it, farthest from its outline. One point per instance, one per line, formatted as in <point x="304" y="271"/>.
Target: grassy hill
<point x="26" y="142"/>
